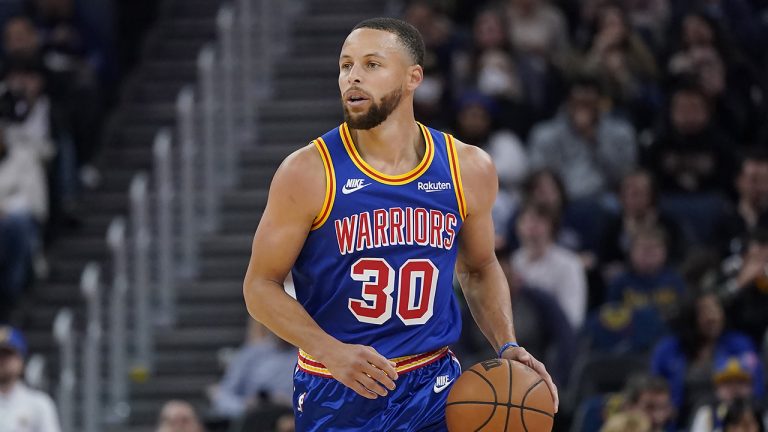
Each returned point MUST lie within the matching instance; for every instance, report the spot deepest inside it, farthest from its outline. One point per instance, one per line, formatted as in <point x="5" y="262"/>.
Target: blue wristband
<point x="507" y="346"/>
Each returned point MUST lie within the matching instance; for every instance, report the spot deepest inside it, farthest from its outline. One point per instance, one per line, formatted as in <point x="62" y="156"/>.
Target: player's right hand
<point x="360" y="368"/>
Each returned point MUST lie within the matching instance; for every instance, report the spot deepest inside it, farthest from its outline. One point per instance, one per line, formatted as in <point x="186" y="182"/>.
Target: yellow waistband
<point x="403" y="364"/>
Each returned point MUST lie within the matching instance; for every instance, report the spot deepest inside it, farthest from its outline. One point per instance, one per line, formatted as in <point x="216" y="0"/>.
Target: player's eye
<point x="346" y="66"/>
<point x="373" y="65"/>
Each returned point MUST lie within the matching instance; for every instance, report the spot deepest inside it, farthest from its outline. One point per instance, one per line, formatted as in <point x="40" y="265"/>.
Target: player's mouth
<point x="356" y="98"/>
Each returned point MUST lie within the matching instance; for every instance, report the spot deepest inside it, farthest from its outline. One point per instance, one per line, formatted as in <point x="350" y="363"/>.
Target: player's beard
<point x="377" y="113"/>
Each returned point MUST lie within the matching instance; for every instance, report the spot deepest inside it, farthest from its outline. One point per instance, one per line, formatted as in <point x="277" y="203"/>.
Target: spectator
<point x="624" y="64"/>
<point x="490" y="67"/>
<point x="474" y="125"/>
<point x="638" y="196"/>
<point x="733" y="89"/>
<point x="260" y="372"/>
<point x="650" y="18"/>
<point x="544" y="186"/>
<point x="537" y="29"/>
<point x="21" y="408"/>
<point x="737" y="17"/>
<point x="542" y="326"/>
<point x="742" y="416"/>
<point x="745" y="289"/>
<point x="733" y="381"/>
<point x="694" y="155"/>
<point x="544" y="265"/>
<point x="32" y="132"/>
<point x="69" y="42"/>
<point x="81" y="74"/>
<point x="179" y="416"/>
<point x="751" y="208"/>
<point x="643" y="395"/>
<point x="649" y="280"/>
<point x="589" y="149"/>
<point x="21" y="39"/>
<point x="650" y="395"/>
<point x="615" y="328"/>
<point x="23" y="210"/>
<point x="434" y="93"/>
<point x="687" y="358"/>
<point x="627" y="422"/>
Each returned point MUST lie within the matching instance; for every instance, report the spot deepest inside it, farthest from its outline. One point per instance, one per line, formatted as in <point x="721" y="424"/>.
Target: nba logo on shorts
<point x="300" y="403"/>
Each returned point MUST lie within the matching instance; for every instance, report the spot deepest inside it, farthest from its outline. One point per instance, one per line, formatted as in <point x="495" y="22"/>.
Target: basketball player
<point x="372" y="218"/>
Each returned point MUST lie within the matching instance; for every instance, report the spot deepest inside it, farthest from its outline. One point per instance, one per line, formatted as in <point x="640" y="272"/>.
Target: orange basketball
<point x="500" y="395"/>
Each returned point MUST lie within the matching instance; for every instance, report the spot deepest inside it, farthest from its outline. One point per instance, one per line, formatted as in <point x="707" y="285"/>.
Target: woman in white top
<point x="547" y="266"/>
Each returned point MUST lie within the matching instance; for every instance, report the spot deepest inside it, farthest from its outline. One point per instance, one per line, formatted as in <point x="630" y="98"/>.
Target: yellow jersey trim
<point x="453" y="159"/>
<point x="330" y="184"/>
<point x="371" y="172"/>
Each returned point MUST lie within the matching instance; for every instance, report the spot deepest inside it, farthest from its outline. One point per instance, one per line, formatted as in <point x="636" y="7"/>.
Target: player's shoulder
<point x="304" y="164"/>
<point x="301" y="177"/>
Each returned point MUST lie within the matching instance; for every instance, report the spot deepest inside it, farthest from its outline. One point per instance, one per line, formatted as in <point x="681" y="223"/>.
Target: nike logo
<point x="353" y="185"/>
<point x="442" y="383"/>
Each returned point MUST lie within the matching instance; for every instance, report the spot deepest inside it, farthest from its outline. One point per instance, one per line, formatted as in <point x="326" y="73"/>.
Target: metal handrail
<point x="118" y="372"/>
<point x="163" y="174"/>
<point x="140" y="235"/>
<point x="90" y="287"/>
<point x="225" y="22"/>
<point x="185" y="126"/>
<point x="245" y="27"/>
<point x="206" y="66"/>
<point x="64" y="336"/>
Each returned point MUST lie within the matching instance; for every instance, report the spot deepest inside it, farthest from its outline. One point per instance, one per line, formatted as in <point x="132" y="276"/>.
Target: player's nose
<point x="353" y="76"/>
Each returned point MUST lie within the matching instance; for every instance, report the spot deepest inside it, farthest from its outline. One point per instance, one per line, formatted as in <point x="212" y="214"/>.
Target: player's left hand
<point x="521" y="355"/>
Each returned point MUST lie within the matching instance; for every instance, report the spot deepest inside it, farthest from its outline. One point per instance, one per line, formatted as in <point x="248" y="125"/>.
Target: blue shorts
<point x="417" y="404"/>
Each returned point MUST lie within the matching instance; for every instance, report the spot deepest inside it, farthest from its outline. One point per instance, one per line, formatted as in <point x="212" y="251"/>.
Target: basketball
<point x="500" y="395"/>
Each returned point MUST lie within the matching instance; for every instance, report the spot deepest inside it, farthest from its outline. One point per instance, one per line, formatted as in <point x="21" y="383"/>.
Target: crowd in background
<point x="54" y="72"/>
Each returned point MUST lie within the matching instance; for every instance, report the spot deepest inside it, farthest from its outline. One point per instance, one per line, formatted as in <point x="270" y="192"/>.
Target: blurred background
<point x="138" y="139"/>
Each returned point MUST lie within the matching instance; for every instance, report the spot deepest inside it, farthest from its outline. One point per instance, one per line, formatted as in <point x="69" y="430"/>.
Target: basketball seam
<point x="522" y="402"/>
<point x="495" y="398"/>
<point x="509" y="397"/>
<point x="502" y="404"/>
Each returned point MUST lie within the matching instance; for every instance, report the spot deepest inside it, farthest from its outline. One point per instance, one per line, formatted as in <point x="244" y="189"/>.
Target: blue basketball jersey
<point x="377" y="266"/>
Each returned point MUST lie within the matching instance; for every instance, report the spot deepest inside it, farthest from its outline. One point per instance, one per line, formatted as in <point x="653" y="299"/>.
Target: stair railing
<point x="90" y="288"/>
<point x="118" y="340"/>
<point x="247" y="85"/>
<point x="185" y="132"/>
<point x="143" y="333"/>
<point x="163" y="185"/>
<point x="64" y="336"/>
<point x="225" y="22"/>
<point x="206" y="66"/>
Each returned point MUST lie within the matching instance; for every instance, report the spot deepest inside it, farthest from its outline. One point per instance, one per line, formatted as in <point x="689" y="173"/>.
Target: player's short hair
<point x="406" y="33"/>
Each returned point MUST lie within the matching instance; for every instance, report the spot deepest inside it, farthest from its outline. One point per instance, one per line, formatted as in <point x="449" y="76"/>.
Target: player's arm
<point x="480" y="275"/>
<point x="295" y="198"/>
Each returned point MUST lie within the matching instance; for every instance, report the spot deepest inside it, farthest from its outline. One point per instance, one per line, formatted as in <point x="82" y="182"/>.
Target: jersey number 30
<point x="416" y="283"/>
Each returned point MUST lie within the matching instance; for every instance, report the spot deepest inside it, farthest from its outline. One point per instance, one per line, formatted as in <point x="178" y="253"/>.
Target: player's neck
<point x="394" y="147"/>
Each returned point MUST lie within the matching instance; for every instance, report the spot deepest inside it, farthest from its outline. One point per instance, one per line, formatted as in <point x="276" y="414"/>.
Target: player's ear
<point x="415" y="77"/>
